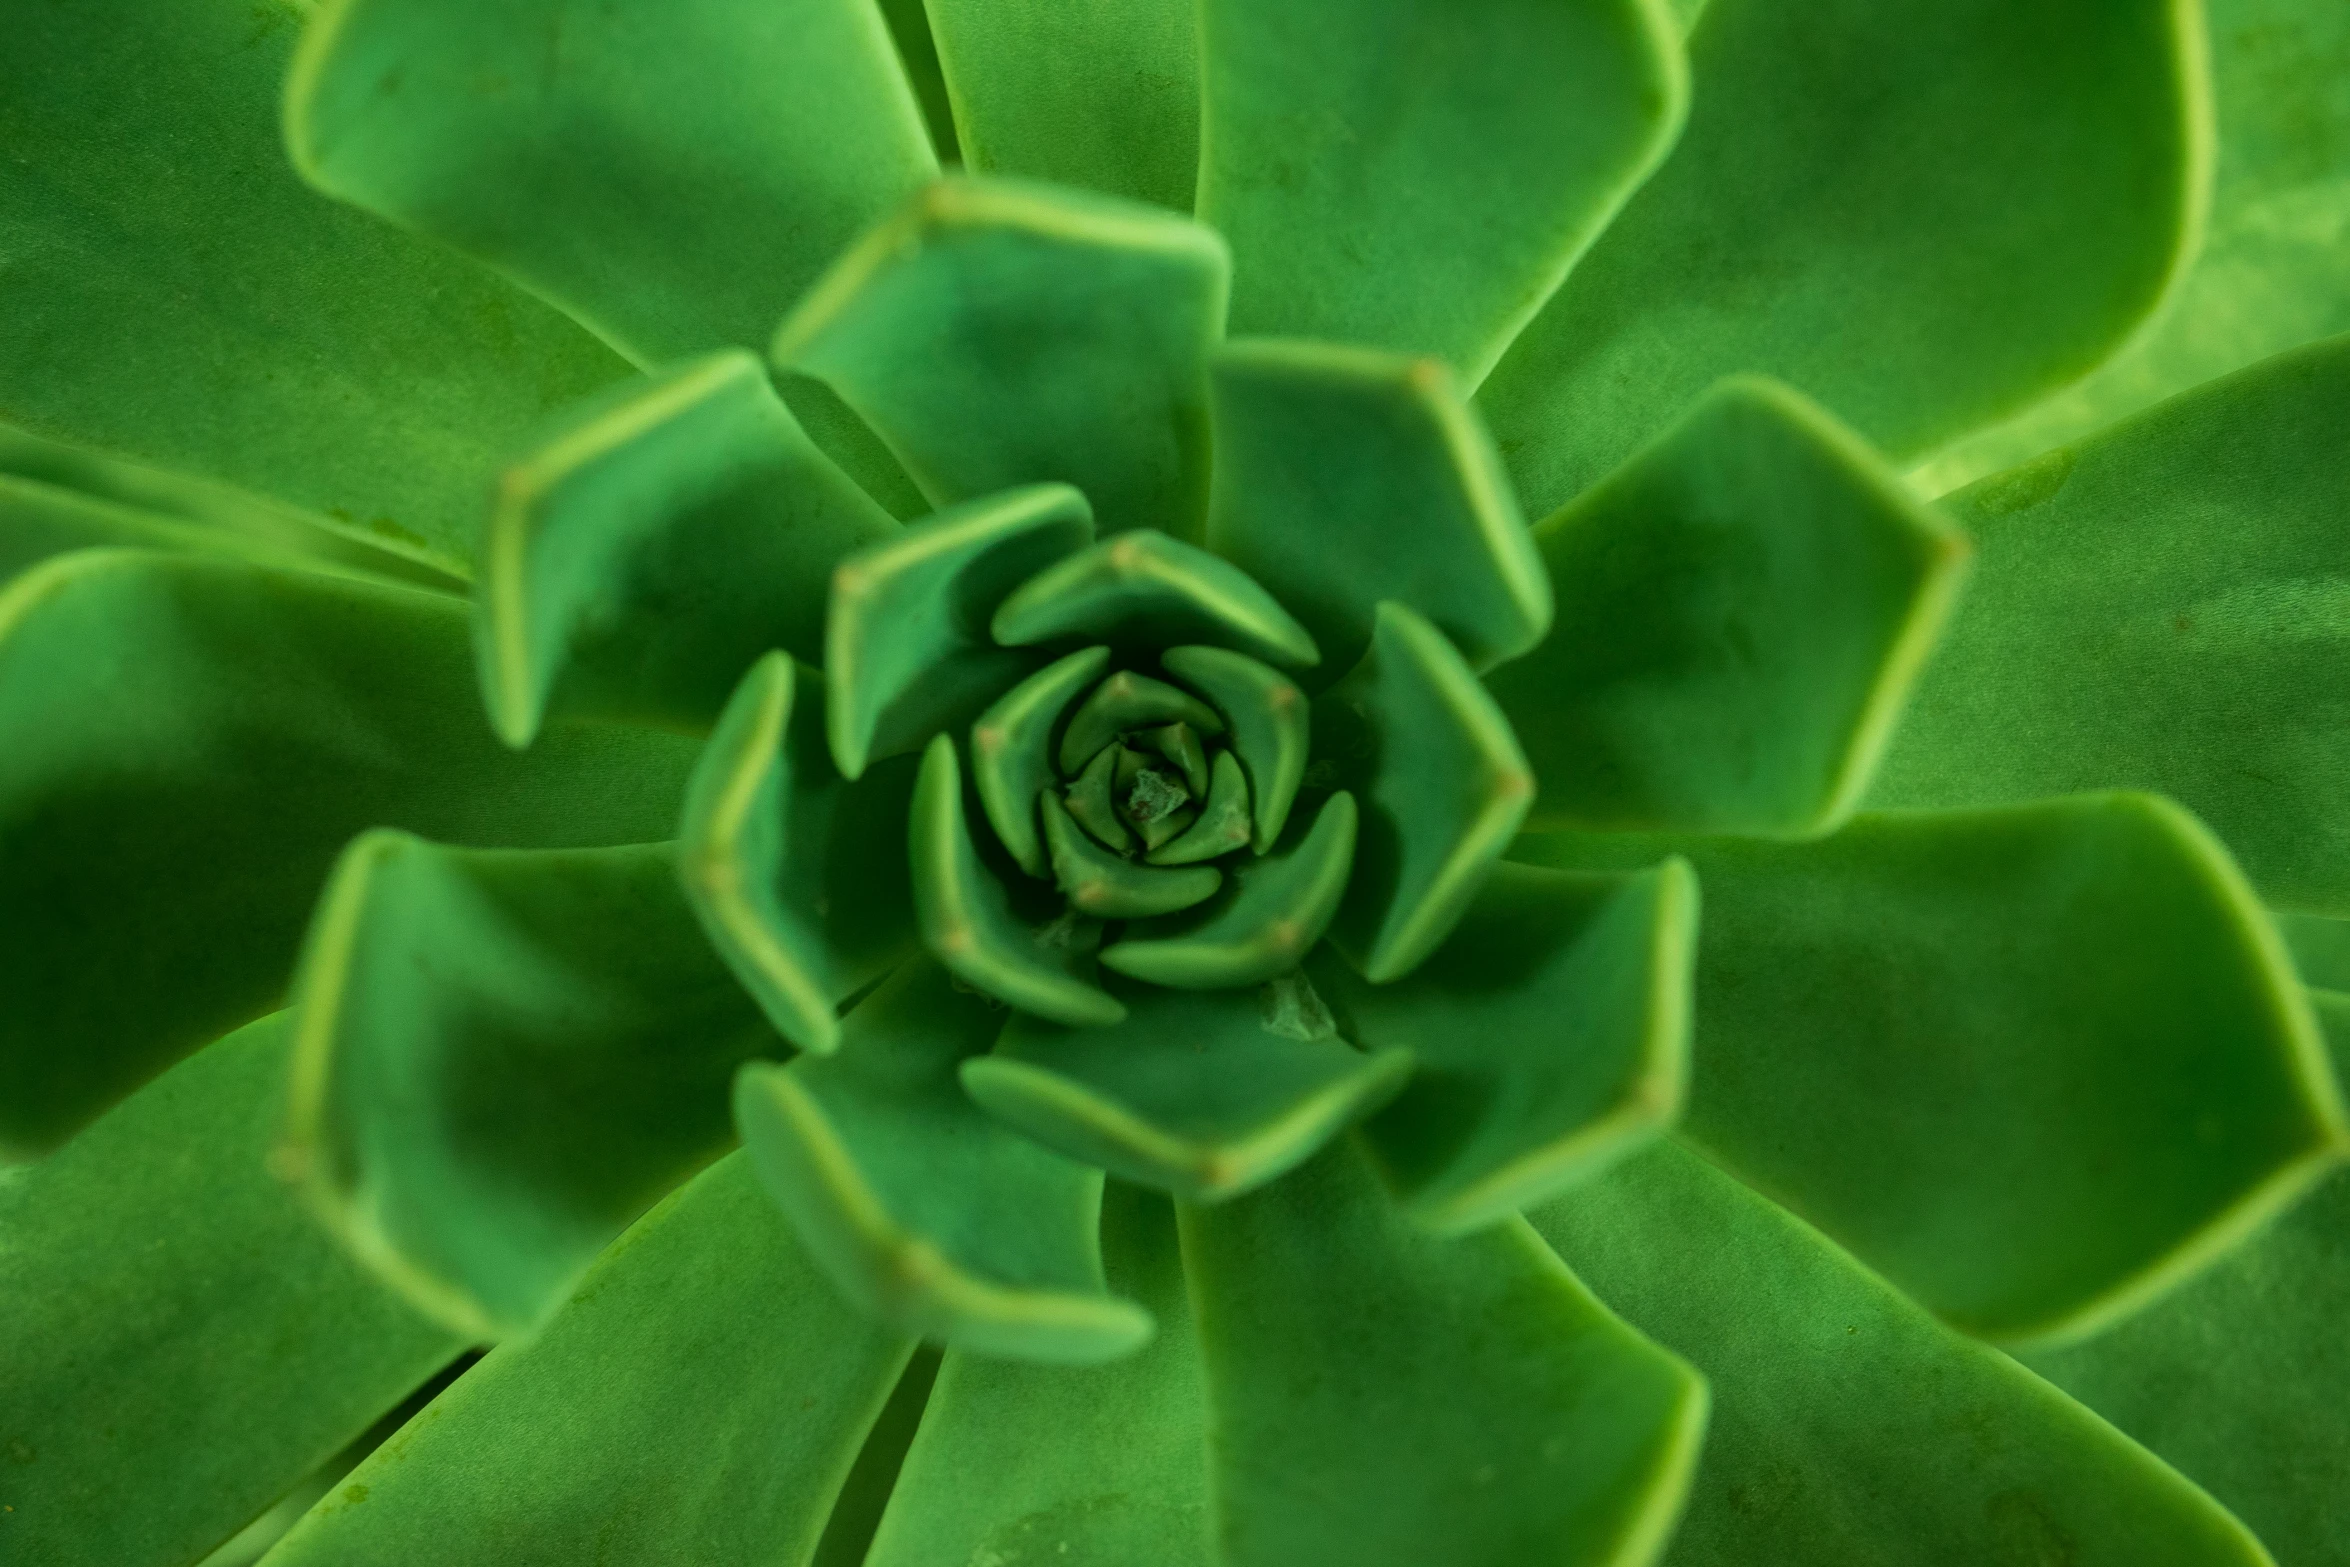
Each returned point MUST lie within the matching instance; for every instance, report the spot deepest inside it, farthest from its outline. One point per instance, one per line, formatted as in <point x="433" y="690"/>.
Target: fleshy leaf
<point x="176" y="295"/>
<point x="1098" y="93"/>
<point x="501" y="1059"/>
<point x="969" y="920"/>
<point x="1442" y="782"/>
<point x="2240" y="1376"/>
<point x="2033" y="1064"/>
<point x="672" y="175"/>
<point x="1021" y="1463"/>
<point x="1223" y="822"/>
<point x="997" y="333"/>
<point x="654" y="545"/>
<point x="185" y="745"/>
<point x="2320" y="948"/>
<point x="1145" y="590"/>
<point x="1129" y="701"/>
<point x="1106" y="887"/>
<point x="922" y="1210"/>
<point x="906" y="648"/>
<point x="1012" y="752"/>
<point x="2189" y="575"/>
<point x="1269" y="721"/>
<point x="799" y="877"/>
<point x="1551" y="1035"/>
<point x="1090" y="804"/>
<point x="1367" y="204"/>
<point x="1264" y="925"/>
<point x="1742" y="608"/>
<point x="1379" y="1397"/>
<point x="1925" y="222"/>
<point x="1201" y="1093"/>
<point x="696" y="1403"/>
<point x="1849" y="1428"/>
<point x="1346" y="476"/>
<point x="160" y="1229"/>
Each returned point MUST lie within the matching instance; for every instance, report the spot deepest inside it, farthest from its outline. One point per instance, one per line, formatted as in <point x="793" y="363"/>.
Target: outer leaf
<point x="997" y="333"/>
<point x="2320" y="948"/>
<point x="1488" y="1412"/>
<point x="1551" y="1035"/>
<point x="1742" y="608"/>
<point x="1344" y="477"/>
<point x="661" y="540"/>
<point x="906" y="647"/>
<point x="1365" y="203"/>
<point x="184" y="747"/>
<point x="697" y="1403"/>
<point x="1145" y="590"/>
<point x="2189" y="573"/>
<point x="1443" y="786"/>
<point x="1925" y="221"/>
<point x="502" y="1058"/>
<point x="799" y="877"/>
<point x="1850" y="1429"/>
<point x="1018" y="1463"/>
<point x="921" y="1209"/>
<point x="1099" y="93"/>
<point x="176" y="295"/>
<point x="673" y="175"/>
<point x="2239" y="1377"/>
<point x="1205" y="1094"/>
<point x="1269" y="722"/>
<point x="2034" y="1065"/>
<point x="159" y="1229"/>
<point x="1275" y="912"/>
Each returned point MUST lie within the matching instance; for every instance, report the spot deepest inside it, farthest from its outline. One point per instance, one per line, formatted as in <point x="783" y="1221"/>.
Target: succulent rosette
<point x="1033" y="896"/>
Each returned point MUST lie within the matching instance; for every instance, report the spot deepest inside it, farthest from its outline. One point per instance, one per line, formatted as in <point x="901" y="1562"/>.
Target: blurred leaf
<point x="175" y="294"/>
<point x="1550" y="1034"/>
<point x="696" y="1403"/>
<point x="1418" y="175"/>
<point x="673" y="175"/>
<point x="1742" y="607"/>
<point x="2165" y="606"/>
<point x="159" y="1229"/>
<point x="185" y="745"/>
<point x="653" y="545"/>
<point x="1379" y="1397"/>
<point x="1924" y="218"/>
<point x="998" y="333"/>
<point x="1849" y="1428"/>
<point x="922" y="1210"/>
<point x="2320" y="948"/>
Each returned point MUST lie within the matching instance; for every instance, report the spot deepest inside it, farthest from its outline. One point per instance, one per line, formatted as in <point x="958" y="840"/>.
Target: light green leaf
<point x="1443" y="785"/>
<point x="906" y="645"/>
<point x="1419" y="174"/>
<point x="1264" y="925"/>
<point x="920" y="1208"/>
<point x="673" y="175"/>
<point x="502" y="1058"/>
<point x="1099" y="93"/>
<point x="178" y="1342"/>
<point x="1102" y="885"/>
<point x="1005" y="945"/>
<point x="174" y="294"/>
<point x="1012" y="751"/>
<point x="39" y="521"/>
<point x="2320" y="948"/>
<point x="2035" y="1064"/>
<point x="1379" y="1397"/>
<point x="998" y="333"/>
<point x="1143" y="590"/>
<point x="1550" y="1033"/>
<point x="798" y="876"/>
<point x="1742" y="608"/>
<point x="1269" y="721"/>
<point x="2189" y="574"/>
<point x="185" y="745"/>
<point x="696" y="1403"/>
<point x="654" y="545"/>
<point x="1926" y="219"/>
<point x="2240" y="1376"/>
<point x="1204" y="1093"/>
<point x="1023" y="1465"/>
<point x="1849" y="1428"/>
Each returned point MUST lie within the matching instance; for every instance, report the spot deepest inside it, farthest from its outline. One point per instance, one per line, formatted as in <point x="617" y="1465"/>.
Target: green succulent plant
<point x="1006" y="671"/>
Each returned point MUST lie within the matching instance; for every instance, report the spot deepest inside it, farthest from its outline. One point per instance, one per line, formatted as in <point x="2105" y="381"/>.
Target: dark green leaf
<point x="1145" y="590"/>
<point x="1104" y="886"/>
<point x="2320" y="948"/>
<point x="1223" y="822"/>
<point x="1264" y="925"/>
<point x="1012" y="753"/>
<point x="1129" y="701"/>
<point x="1269" y="721"/>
